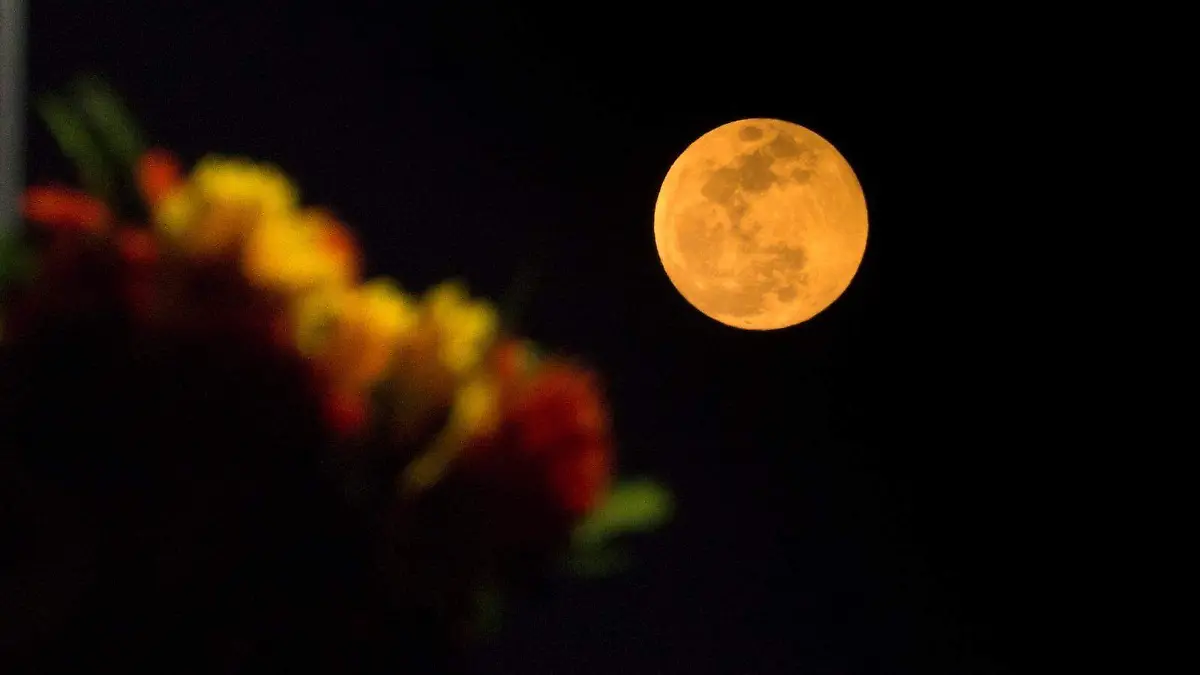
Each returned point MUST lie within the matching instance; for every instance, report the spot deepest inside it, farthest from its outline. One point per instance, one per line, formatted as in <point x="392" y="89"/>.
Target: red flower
<point x="561" y="424"/>
<point x="65" y="209"/>
<point x="158" y="173"/>
<point x="553" y="443"/>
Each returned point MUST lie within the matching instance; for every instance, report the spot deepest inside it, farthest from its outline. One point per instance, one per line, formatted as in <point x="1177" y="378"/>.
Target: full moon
<point x="761" y="224"/>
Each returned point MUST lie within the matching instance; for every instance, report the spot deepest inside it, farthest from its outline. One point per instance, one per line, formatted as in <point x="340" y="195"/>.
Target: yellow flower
<point x="437" y="356"/>
<point x="291" y="253"/>
<point x="465" y="327"/>
<point x="314" y="317"/>
<point x="476" y="407"/>
<point x="354" y="332"/>
<point x="278" y="255"/>
<point x="386" y="309"/>
<point x="237" y="182"/>
<point x="221" y="202"/>
<point x="176" y="213"/>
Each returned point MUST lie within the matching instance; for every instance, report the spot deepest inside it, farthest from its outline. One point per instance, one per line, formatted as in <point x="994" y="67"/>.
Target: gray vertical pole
<point x="12" y="111"/>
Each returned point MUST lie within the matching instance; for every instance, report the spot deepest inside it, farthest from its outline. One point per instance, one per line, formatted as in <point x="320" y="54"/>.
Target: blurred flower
<point x="475" y="411"/>
<point x="238" y="182"/>
<point x="552" y="436"/>
<point x="158" y="174"/>
<point x="437" y="357"/>
<point x="420" y="388"/>
<point x="562" y="425"/>
<point x="465" y="327"/>
<point x="498" y="452"/>
<point x="294" y="252"/>
<point x="354" y="332"/>
<point x="476" y="408"/>
<point x="65" y="209"/>
<point x="220" y="204"/>
<point x="513" y="361"/>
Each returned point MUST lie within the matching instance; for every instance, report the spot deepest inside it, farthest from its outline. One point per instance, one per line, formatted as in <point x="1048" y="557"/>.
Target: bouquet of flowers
<point x="474" y="459"/>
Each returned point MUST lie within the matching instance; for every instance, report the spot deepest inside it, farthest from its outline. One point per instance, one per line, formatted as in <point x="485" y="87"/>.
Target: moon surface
<point x="761" y="224"/>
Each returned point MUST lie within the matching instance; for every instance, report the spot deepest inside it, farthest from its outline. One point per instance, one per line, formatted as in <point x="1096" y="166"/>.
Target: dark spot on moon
<point x="783" y="146"/>
<point x="756" y="172"/>
<point x="792" y="259"/>
<point x="801" y="175"/>
<point x="750" y="133"/>
<point x="721" y="185"/>
<point x="786" y="294"/>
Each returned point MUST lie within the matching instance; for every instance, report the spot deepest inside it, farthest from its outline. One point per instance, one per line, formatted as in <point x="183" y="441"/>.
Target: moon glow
<point x="761" y="224"/>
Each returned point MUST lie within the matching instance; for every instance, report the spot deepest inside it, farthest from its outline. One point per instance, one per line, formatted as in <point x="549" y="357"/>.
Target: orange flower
<point x="65" y="209"/>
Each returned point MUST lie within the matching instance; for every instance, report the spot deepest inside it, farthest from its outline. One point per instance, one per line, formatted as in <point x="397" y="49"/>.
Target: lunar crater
<point x="750" y="133"/>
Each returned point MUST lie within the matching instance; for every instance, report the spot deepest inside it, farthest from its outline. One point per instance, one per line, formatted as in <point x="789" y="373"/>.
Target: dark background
<point x="852" y="494"/>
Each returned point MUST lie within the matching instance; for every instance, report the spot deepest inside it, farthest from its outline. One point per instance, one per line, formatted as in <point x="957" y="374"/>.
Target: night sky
<point x="849" y="502"/>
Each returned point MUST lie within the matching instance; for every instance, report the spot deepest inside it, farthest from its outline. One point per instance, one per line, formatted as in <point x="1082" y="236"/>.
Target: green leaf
<point x="635" y="505"/>
<point x="70" y="133"/>
<point x="110" y="119"/>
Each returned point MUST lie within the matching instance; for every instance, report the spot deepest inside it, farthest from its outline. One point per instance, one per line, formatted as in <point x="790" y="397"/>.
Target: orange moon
<point x="761" y="224"/>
